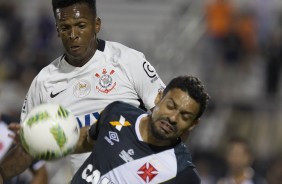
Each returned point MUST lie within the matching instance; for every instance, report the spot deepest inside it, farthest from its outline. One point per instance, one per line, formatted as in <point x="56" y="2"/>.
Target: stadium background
<point x="243" y="78"/>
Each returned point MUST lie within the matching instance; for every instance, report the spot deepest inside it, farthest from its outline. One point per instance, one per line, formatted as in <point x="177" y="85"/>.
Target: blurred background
<point x="233" y="46"/>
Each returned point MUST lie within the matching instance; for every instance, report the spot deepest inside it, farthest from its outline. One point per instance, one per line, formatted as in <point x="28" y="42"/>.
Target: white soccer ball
<point x="49" y="131"/>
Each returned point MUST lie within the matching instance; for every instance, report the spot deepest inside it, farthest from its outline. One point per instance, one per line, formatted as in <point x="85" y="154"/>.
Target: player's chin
<point x="166" y="135"/>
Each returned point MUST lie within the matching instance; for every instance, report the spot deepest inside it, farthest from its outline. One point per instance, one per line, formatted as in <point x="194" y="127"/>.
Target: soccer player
<point x="92" y="72"/>
<point x="132" y="146"/>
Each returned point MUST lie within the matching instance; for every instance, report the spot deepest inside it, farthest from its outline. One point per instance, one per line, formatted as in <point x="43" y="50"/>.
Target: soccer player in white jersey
<point x="92" y="72"/>
<point x="148" y="147"/>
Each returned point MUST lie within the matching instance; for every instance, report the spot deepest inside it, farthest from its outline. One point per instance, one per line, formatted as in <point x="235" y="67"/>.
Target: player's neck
<point x="147" y="136"/>
<point x="78" y="62"/>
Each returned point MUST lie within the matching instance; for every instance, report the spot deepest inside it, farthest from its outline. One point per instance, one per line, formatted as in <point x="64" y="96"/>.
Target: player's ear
<point x="194" y="123"/>
<point x="97" y="24"/>
<point x="158" y="97"/>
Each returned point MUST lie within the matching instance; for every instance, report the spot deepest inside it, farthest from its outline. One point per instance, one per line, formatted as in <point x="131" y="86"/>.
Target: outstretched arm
<point x="15" y="162"/>
<point x="17" y="159"/>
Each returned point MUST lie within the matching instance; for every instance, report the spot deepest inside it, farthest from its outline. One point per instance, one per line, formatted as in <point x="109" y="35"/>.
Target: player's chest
<point x="140" y="165"/>
<point x="102" y="82"/>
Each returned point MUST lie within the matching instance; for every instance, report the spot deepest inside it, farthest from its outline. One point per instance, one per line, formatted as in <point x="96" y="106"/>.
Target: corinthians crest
<point x="106" y="84"/>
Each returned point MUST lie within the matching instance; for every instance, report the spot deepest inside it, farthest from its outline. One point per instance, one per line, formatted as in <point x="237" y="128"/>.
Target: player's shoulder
<point x="118" y="52"/>
<point x="119" y="46"/>
<point x="120" y="107"/>
<point x="47" y="71"/>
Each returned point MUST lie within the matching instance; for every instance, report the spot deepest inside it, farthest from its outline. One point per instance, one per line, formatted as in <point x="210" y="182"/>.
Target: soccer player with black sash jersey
<point x="132" y="146"/>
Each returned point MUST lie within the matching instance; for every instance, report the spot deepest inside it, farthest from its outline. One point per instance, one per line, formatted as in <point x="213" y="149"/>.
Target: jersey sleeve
<point x="33" y="98"/>
<point x="145" y="79"/>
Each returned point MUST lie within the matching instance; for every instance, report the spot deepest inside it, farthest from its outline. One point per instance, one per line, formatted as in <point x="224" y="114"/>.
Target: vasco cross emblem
<point x="106" y="84"/>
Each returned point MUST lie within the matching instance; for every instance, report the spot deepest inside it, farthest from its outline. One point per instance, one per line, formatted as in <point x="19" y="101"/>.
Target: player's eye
<point x="64" y="28"/>
<point x="187" y="117"/>
<point x="82" y="26"/>
<point x="170" y="105"/>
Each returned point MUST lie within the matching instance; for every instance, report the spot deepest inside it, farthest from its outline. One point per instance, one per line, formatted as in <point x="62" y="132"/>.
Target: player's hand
<point x="82" y="144"/>
<point x="15" y="127"/>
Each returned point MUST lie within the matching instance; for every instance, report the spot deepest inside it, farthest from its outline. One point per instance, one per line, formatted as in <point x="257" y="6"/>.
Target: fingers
<point x="15" y="135"/>
<point x="14" y="126"/>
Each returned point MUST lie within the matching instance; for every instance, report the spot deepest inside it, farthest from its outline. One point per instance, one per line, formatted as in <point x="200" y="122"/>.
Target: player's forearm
<point x="83" y="145"/>
<point x="15" y="162"/>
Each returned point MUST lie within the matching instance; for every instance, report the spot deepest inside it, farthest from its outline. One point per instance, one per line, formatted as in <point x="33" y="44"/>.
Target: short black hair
<point x="65" y="3"/>
<point x="194" y="87"/>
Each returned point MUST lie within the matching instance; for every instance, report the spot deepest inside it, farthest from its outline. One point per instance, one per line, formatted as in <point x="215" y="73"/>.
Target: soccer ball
<point x="49" y="131"/>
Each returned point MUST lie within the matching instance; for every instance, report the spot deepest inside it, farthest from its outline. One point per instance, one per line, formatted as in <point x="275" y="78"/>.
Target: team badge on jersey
<point x="82" y="88"/>
<point x="147" y="172"/>
<point x="106" y="83"/>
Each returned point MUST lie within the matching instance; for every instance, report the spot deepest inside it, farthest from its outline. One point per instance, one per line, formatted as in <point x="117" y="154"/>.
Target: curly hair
<point x="194" y="87"/>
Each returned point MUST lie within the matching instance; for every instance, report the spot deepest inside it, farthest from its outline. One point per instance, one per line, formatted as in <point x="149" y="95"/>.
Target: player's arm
<point x="84" y="144"/>
<point x="17" y="159"/>
<point x="15" y="162"/>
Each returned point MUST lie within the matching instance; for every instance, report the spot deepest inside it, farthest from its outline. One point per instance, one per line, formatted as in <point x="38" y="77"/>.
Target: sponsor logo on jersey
<point x="53" y="95"/>
<point x="87" y="119"/>
<point x="161" y="89"/>
<point x="113" y="136"/>
<point x="126" y="156"/>
<point x="147" y="172"/>
<point x="91" y="175"/>
<point x="24" y="105"/>
<point x="119" y="124"/>
<point x="150" y="71"/>
<point x="106" y="83"/>
<point x="81" y="89"/>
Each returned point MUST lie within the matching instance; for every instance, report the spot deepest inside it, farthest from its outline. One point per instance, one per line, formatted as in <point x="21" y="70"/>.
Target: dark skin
<point x="17" y="160"/>
<point x="77" y="27"/>
<point x="174" y="115"/>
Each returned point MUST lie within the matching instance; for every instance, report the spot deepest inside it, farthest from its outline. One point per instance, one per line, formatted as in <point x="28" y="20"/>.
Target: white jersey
<point x="115" y="72"/>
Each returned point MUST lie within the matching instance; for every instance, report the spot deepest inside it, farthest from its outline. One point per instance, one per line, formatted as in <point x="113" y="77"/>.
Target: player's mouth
<point x="75" y="48"/>
<point x="167" y="127"/>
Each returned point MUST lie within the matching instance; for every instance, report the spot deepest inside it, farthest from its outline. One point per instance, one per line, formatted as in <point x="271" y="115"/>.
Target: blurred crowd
<point x="240" y="57"/>
<point x="24" y="51"/>
<point x="240" y="35"/>
<point x="244" y="43"/>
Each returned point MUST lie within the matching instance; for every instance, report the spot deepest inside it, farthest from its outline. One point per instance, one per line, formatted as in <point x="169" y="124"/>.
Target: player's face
<point x="77" y="26"/>
<point x="237" y="157"/>
<point x="173" y="115"/>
